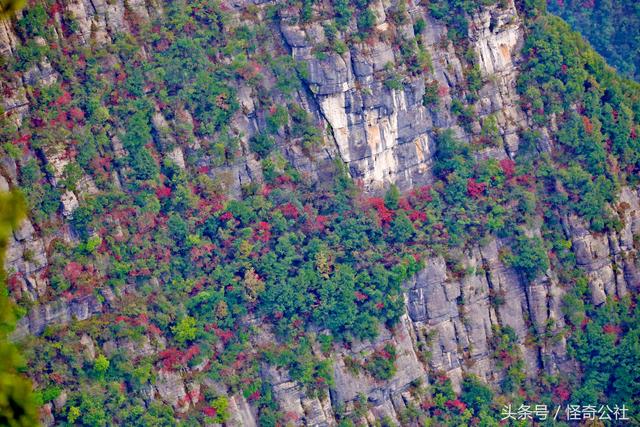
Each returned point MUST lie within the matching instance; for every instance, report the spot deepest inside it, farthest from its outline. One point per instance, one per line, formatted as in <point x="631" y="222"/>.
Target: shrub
<point x="185" y="330"/>
<point x="366" y="21"/>
<point x="381" y="364"/>
<point x="476" y="394"/>
<point x="28" y="55"/>
<point x="431" y="97"/>
<point x="33" y="22"/>
<point x="343" y="13"/>
<point x="261" y="144"/>
<point x="529" y="257"/>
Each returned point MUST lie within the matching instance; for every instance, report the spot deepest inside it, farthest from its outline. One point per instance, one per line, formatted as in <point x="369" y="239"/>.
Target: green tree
<point x="476" y="394"/>
<point x="392" y="197"/>
<point x="185" y="330"/>
<point x="72" y="174"/>
<point x="261" y="144"/>
<point x="33" y="22"/>
<point x="381" y="364"/>
<point x="402" y="228"/>
<point x="529" y="257"/>
<point x="178" y="228"/>
<point x="101" y="365"/>
<point x="343" y="13"/>
<point x="73" y="414"/>
<point x="366" y="21"/>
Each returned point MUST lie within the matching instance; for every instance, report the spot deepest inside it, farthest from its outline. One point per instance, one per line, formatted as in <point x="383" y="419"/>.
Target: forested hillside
<point x="365" y="212"/>
<point x="612" y="28"/>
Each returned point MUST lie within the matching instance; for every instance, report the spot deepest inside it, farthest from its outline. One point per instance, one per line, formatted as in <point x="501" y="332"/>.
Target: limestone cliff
<point x="385" y="134"/>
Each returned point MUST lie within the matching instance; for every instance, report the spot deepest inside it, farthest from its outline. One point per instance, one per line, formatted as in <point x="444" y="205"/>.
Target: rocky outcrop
<point x="497" y="37"/>
<point x="609" y="260"/>
<point x="25" y="262"/>
<point x="457" y="337"/>
<point x="135" y="349"/>
<point x="349" y="385"/>
<point x="384" y="132"/>
<point x="298" y="408"/>
<point x="171" y="389"/>
<point x="59" y="312"/>
<point x="381" y="133"/>
<point x="455" y="317"/>
<point x="240" y="413"/>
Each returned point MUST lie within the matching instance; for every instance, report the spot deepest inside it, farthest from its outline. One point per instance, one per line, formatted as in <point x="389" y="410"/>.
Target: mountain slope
<point x="214" y="236"/>
<point x="613" y="28"/>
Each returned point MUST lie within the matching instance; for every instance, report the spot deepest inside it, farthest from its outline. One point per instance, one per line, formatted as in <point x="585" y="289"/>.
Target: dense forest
<point x="612" y="28"/>
<point x="119" y="161"/>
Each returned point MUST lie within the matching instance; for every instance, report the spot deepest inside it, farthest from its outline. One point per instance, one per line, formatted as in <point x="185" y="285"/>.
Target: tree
<point x="529" y="257"/>
<point x="277" y="119"/>
<point x="627" y="369"/>
<point x="382" y="365"/>
<point x="101" y="364"/>
<point x="452" y="155"/>
<point x="185" y="330"/>
<point x="92" y="410"/>
<point x="366" y="21"/>
<point x="178" y="228"/>
<point x="475" y="189"/>
<point x="72" y="174"/>
<point x="73" y="414"/>
<point x="261" y="144"/>
<point x="343" y="13"/>
<point x="221" y="406"/>
<point x="402" y="228"/>
<point x="212" y="100"/>
<point x="392" y="197"/>
<point x="143" y="164"/>
<point x="337" y="308"/>
<point x="476" y="394"/>
<point x="33" y="22"/>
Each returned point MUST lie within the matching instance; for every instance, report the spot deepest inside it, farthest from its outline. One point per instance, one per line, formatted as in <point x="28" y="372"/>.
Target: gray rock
<point x="60" y="401"/>
<point x="89" y="348"/>
<point x="171" y="390"/>
<point x="59" y="312"/>
<point x="240" y="413"/>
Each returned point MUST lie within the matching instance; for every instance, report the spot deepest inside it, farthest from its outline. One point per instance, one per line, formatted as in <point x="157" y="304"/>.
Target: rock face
<point x="349" y="385"/>
<point x="171" y="389"/>
<point x="300" y="409"/>
<point x="456" y="317"/>
<point x="381" y="133"/>
<point x="497" y="36"/>
<point x="609" y="259"/>
<point x="240" y="413"/>
<point x="25" y="262"/>
<point x="385" y="134"/>
<point x="59" y="312"/>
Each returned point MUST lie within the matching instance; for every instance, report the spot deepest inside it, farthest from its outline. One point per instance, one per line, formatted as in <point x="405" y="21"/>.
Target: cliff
<point x="368" y="105"/>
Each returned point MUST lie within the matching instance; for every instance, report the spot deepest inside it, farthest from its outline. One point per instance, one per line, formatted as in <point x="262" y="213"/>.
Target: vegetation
<point x="381" y="364"/>
<point x="454" y="13"/>
<point x="17" y="403"/>
<point x="206" y="267"/>
<point x="10" y="7"/>
<point x="565" y="72"/>
<point x="612" y="28"/>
